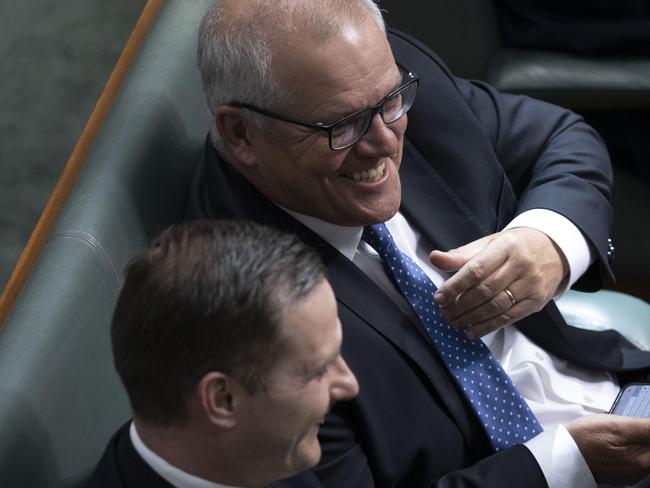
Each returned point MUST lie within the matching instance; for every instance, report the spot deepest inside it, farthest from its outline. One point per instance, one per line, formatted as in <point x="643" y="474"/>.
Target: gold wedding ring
<point x="511" y="296"/>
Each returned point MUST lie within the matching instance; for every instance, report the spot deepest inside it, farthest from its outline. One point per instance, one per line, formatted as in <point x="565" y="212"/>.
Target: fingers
<point x="489" y="293"/>
<point x="455" y="259"/>
<point x="617" y="449"/>
<point x="522" y="261"/>
<point x="493" y="314"/>
<point x="478" y="288"/>
<point x="480" y="329"/>
<point x="477" y="269"/>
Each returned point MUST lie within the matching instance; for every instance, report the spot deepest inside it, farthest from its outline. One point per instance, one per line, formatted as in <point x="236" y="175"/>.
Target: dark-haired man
<point x="227" y="340"/>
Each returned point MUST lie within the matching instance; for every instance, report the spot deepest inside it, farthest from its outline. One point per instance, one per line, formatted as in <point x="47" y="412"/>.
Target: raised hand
<point x="499" y="279"/>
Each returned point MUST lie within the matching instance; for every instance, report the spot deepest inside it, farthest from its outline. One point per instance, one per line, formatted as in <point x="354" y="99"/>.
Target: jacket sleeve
<point x="347" y="466"/>
<point x="553" y="159"/>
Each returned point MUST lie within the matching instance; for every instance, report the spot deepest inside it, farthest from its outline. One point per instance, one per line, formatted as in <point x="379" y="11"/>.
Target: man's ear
<point x="235" y="132"/>
<point x="220" y="396"/>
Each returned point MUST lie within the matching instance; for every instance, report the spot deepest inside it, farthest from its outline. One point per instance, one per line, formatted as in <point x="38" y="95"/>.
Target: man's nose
<point x="381" y="140"/>
<point x="345" y="385"/>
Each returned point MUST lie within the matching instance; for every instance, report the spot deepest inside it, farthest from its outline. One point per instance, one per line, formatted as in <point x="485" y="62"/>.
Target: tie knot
<point x="377" y="236"/>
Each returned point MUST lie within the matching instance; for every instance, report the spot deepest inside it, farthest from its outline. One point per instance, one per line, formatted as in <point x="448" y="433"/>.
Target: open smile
<point x="371" y="175"/>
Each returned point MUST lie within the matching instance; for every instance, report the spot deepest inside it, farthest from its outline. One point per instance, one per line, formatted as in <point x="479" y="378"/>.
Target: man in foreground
<point x="309" y="101"/>
<point x="227" y="340"/>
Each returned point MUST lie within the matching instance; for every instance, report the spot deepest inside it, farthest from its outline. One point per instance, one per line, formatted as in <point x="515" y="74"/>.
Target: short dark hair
<point x="206" y="296"/>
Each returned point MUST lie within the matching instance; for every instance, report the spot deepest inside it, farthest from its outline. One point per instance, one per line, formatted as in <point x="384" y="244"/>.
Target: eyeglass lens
<point x="351" y="130"/>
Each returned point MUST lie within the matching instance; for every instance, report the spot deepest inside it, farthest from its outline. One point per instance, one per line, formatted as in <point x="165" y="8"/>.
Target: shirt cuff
<point x="560" y="459"/>
<point x="565" y="234"/>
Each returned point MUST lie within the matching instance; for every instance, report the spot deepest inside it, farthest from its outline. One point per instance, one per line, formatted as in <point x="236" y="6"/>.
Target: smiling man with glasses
<point x="444" y="244"/>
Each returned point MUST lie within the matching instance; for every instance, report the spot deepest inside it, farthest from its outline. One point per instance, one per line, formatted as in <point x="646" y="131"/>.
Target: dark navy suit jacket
<point x="473" y="159"/>
<point x="122" y="467"/>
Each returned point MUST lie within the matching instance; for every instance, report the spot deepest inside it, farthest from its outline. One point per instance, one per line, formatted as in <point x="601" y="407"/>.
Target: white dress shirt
<point x="170" y="473"/>
<point x="556" y="391"/>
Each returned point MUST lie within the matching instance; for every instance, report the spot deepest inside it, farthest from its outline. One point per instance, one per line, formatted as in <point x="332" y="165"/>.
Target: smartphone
<point x="633" y="401"/>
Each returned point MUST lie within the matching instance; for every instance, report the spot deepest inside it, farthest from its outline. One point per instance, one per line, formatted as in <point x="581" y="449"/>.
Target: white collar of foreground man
<point x="168" y="472"/>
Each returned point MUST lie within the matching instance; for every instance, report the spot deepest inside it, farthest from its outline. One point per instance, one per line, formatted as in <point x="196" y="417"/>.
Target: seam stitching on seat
<point x="96" y="245"/>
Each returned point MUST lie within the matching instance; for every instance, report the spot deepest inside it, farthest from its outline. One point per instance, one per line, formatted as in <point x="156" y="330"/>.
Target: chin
<point x="386" y="212"/>
<point x="308" y="455"/>
<point x="376" y="211"/>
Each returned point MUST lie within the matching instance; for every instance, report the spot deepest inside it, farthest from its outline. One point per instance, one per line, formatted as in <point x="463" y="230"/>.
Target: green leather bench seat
<point x="591" y="83"/>
<point x="606" y="310"/>
<point x="60" y="398"/>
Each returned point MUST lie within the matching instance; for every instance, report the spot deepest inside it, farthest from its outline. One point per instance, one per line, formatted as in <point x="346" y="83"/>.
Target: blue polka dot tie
<point x="501" y="409"/>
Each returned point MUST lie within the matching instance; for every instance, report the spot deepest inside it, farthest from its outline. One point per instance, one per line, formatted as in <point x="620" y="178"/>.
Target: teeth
<point x="373" y="174"/>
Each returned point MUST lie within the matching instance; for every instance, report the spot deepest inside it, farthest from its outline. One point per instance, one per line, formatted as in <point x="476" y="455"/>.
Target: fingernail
<point x="440" y="298"/>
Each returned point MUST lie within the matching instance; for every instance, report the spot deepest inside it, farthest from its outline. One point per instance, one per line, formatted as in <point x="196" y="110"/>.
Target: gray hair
<point x="234" y="47"/>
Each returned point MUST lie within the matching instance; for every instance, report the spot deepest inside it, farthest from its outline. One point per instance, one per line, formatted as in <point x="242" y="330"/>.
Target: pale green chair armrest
<point x="60" y="396"/>
<point x="606" y="309"/>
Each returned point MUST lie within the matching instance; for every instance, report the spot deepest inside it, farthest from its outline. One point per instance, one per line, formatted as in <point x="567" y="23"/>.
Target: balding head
<point x="238" y="40"/>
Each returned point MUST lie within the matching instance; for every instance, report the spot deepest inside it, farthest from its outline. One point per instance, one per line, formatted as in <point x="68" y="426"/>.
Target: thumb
<point x="451" y="260"/>
<point x="454" y="259"/>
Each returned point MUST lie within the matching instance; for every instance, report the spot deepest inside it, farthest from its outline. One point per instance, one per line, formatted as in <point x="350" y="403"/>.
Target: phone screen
<point x="633" y="401"/>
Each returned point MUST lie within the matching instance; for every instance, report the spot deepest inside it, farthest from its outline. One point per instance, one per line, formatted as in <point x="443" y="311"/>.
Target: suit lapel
<point x="231" y="196"/>
<point x="354" y="290"/>
<point x="433" y="207"/>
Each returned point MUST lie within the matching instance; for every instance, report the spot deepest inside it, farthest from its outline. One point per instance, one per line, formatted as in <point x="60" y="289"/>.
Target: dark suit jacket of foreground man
<point x="122" y="467"/>
<point x="470" y="164"/>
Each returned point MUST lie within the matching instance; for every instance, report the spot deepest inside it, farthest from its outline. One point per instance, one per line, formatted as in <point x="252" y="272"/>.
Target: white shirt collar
<point x="344" y="238"/>
<point x="170" y="473"/>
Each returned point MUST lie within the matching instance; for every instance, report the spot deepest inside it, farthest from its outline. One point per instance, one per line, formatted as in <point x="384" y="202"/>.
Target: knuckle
<point x="529" y="260"/>
<point x="484" y="291"/>
<point x="537" y="277"/>
<point x="493" y="305"/>
<point x="475" y="270"/>
<point x="506" y="318"/>
<point x="508" y="239"/>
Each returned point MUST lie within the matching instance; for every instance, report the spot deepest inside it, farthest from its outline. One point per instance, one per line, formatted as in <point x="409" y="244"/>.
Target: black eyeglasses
<point x="351" y="128"/>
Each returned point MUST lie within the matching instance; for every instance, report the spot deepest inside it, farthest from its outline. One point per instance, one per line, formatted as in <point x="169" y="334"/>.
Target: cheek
<point x="313" y="405"/>
<point x="327" y="165"/>
<point x="399" y="128"/>
<point x="313" y="168"/>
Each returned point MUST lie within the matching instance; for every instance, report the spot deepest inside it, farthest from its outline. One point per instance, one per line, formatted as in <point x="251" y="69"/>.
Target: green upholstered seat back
<point x="463" y="32"/>
<point x="60" y="398"/>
